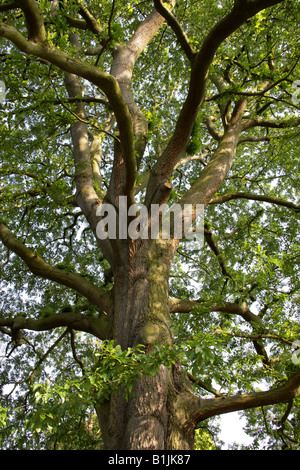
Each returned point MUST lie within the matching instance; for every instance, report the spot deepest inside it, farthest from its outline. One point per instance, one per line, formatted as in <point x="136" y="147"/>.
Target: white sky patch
<point x="232" y="430"/>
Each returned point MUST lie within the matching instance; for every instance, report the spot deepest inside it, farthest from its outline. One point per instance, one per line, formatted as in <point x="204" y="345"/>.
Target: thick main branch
<point x="213" y="175"/>
<point x="98" y="327"/>
<point x="125" y="58"/>
<point x="105" y="81"/>
<point x="34" y="20"/>
<point x="174" y="151"/>
<point x="205" y="408"/>
<point x="39" y="267"/>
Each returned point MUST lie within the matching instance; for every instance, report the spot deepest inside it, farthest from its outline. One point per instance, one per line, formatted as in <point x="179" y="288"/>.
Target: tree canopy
<point x="180" y="102"/>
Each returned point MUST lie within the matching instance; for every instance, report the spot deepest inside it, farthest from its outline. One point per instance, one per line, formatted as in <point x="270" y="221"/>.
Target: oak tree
<point x="176" y="102"/>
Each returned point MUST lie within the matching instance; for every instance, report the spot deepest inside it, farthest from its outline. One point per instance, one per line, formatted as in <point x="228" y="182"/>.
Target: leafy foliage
<point x="250" y="255"/>
<point x="59" y="412"/>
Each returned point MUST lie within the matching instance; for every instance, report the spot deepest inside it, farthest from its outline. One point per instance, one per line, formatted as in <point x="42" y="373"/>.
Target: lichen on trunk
<point x="149" y="419"/>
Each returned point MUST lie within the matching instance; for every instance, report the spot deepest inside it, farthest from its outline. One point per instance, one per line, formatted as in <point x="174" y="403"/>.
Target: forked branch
<point x="174" y="151"/>
<point x="214" y="173"/>
<point x="34" y="20"/>
<point x="105" y="81"/>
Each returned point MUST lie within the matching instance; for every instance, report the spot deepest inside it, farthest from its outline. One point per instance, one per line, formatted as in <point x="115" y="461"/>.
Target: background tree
<point x="186" y="102"/>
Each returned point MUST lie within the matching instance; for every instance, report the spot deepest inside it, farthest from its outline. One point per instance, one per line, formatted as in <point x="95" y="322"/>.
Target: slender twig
<point x="201" y="384"/>
<point x="81" y="119"/>
<point x="107" y="41"/>
<point x="177" y="28"/>
<point x="74" y="351"/>
<point x="254" y="197"/>
<point x="44" y="356"/>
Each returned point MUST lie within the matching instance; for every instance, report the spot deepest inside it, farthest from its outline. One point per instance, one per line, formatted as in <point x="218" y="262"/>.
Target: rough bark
<point x="165" y="412"/>
<point x="152" y="419"/>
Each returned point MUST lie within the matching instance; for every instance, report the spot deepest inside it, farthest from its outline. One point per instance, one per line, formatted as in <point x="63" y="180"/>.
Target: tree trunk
<point x="153" y="419"/>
